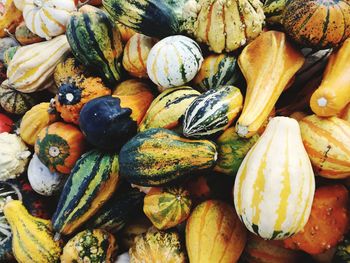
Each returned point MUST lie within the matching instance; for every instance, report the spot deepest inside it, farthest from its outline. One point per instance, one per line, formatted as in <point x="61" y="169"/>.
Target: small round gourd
<point x="26" y="37"/>
<point x="174" y="61"/>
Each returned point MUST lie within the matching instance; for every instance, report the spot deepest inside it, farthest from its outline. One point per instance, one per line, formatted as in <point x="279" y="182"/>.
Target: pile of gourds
<point x="174" y="131"/>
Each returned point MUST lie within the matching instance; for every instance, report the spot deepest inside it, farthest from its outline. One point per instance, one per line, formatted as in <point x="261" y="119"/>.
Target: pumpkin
<point x="270" y="210"/>
<point x="317" y="23"/>
<point x="24" y="36"/>
<point x="174" y="61"/>
<point x="125" y="32"/>
<point x="10" y="17"/>
<point x="6" y="123"/>
<point x="58" y="146"/>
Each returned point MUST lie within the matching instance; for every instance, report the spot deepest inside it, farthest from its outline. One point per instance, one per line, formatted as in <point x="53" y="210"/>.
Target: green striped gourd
<point x="166" y="110"/>
<point x="159" y="156"/>
<point x="32" y="66"/>
<point x="275" y="184"/>
<point x="212" y="112"/>
<point x="96" y="43"/>
<point x="91" y="183"/>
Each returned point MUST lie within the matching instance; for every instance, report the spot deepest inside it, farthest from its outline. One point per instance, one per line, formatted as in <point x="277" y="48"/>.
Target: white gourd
<point x="19" y="4"/>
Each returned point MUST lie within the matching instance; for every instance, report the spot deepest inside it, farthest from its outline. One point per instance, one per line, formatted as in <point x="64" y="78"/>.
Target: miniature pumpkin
<point x="24" y="36"/>
<point x="10" y="18"/>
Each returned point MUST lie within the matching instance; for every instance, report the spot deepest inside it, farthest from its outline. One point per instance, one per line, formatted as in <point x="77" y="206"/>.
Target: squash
<point x="58" y="146"/>
<point x="14" y="156"/>
<point x="125" y="32"/>
<point x="96" y="174"/>
<point x="24" y="36"/>
<point x="167" y="207"/>
<point x="345" y="113"/>
<point x="317" y="23"/>
<point x="106" y="124"/>
<point x="270" y="210"/>
<point x="212" y="112"/>
<point x="33" y="241"/>
<point x="334" y="92"/>
<point x="174" y="61"/>
<point x="90" y="245"/>
<point x="167" y="109"/>
<point x="8" y="56"/>
<point x="6" y="43"/>
<point x="214" y="233"/>
<point x="136" y="226"/>
<point x="280" y="61"/>
<point x="216" y="70"/>
<point x="34" y="120"/>
<point x="159" y="156"/>
<point x="10" y="18"/>
<point x="231" y="151"/>
<point x="6" y="123"/>
<point x="32" y="66"/>
<point x="273" y="10"/>
<point x="136" y="53"/>
<point x="157" y="246"/>
<point x="19" y="4"/>
<point x="96" y="43"/>
<point x="342" y="253"/>
<point x="327" y="141"/>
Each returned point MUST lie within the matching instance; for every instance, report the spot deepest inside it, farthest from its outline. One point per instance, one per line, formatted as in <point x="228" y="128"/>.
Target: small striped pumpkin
<point x="174" y="61"/>
<point x="275" y="184"/>
<point x="212" y="112"/>
<point x="327" y="141"/>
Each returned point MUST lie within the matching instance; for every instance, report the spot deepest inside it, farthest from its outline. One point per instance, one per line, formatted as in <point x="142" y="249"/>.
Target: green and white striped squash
<point x="174" y="61"/>
<point x="212" y="112"/>
<point x="275" y="184"/>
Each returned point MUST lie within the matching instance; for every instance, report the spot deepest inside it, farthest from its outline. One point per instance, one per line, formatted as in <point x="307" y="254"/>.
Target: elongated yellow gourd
<point x="268" y="64"/>
<point x="334" y="92"/>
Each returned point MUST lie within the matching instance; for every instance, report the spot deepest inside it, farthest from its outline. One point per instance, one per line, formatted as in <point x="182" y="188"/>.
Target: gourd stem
<point x="12" y="36"/>
<point x="322" y="102"/>
<point x="84" y="3"/>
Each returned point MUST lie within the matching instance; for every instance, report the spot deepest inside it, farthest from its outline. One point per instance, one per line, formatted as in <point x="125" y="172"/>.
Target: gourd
<point x="6" y="43"/>
<point x="166" y="110"/>
<point x="278" y="59"/>
<point x="159" y="156"/>
<point x="8" y="56"/>
<point x="136" y="53"/>
<point x="273" y="10"/>
<point x="92" y="245"/>
<point x="58" y="146"/>
<point x="278" y="156"/>
<point x="24" y="36"/>
<point x="96" y="43"/>
<point x="342" y="253"/>
<point x="19" y="4"/>
<point x="47" y="18"/>
<point x="6" y="123"/>
<point x="212" y="112"/>
<point x="96" y="174"/>
<point x="345" y="113"/>
<point x="10" y="18"/>
<point x="13" y="156"/>
<point x="33" y="241"/>
<point x="334" y="92"/>
<point x="34" y="120"/>
<point x="214" y="233"/>
<point x="316" y="23"/>
<point x="327" y="141"/>
<point x="125" y="32"/>
<point x="157" y="246"/>
<point x="32" y="66"/>
<point x="174" y="61"/>
<point x="167" y="207"/>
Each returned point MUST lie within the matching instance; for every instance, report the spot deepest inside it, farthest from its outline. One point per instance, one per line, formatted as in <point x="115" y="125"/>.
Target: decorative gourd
<point x="214" y="233"/>
<point x="273" y="10"/>
<point x="3" y="75"/>
<point x="317" y="23"/>
<point x="167" y="207"/>
<point x="342" y="253"/>
<point x="6" y="123"/>
<point x="10" y="18"/>
<point x="125" y="32"/>
<point x="33" y="241"/>
<point x="174" y="61"/>
<point x="136" y="226"/>
<point x="216" y="70"/>
<point x="212" y="112"/>
<point x="159" y="156"/>
<point x="59" y="146"/>
<point x="327" y="141"/>
<point x="166" y="110"/>
<point x="24" y="36"/>
<point x="106" y="124"/>
<point x="136" y="53"/>
<point x="32" y="66"/>
<point x="42" y="180"/>
<point x="345" y="113"/>
<point x="157" y="246"/>
<point x="96" y="43"/>
<point x="279" y="60"/>
<point x="6" y="43"/>
<point x="13" y="156"/>
<point x="19" y="4"/>
<point x="8" y="56"/>
<point x="334" y="92"/>
<point x="96" y="174"/>
<point x="93" y="246"/>
<point x="37" y="118"/>
<point x="275" y="184"/>
<point x="47" y="18"/>
<point x="231" y="151"/>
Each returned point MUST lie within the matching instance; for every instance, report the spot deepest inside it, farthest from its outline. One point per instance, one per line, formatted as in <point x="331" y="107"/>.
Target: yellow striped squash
<point x="275" y="184"/>
<point x="214" y="234"/>
<point x="32" y="66"/>
<point x="327" y="141"/>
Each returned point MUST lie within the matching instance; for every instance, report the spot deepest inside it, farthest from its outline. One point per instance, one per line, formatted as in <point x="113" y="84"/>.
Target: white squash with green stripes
<point x="174" y="61"/>
<point x="275" y="184"/>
